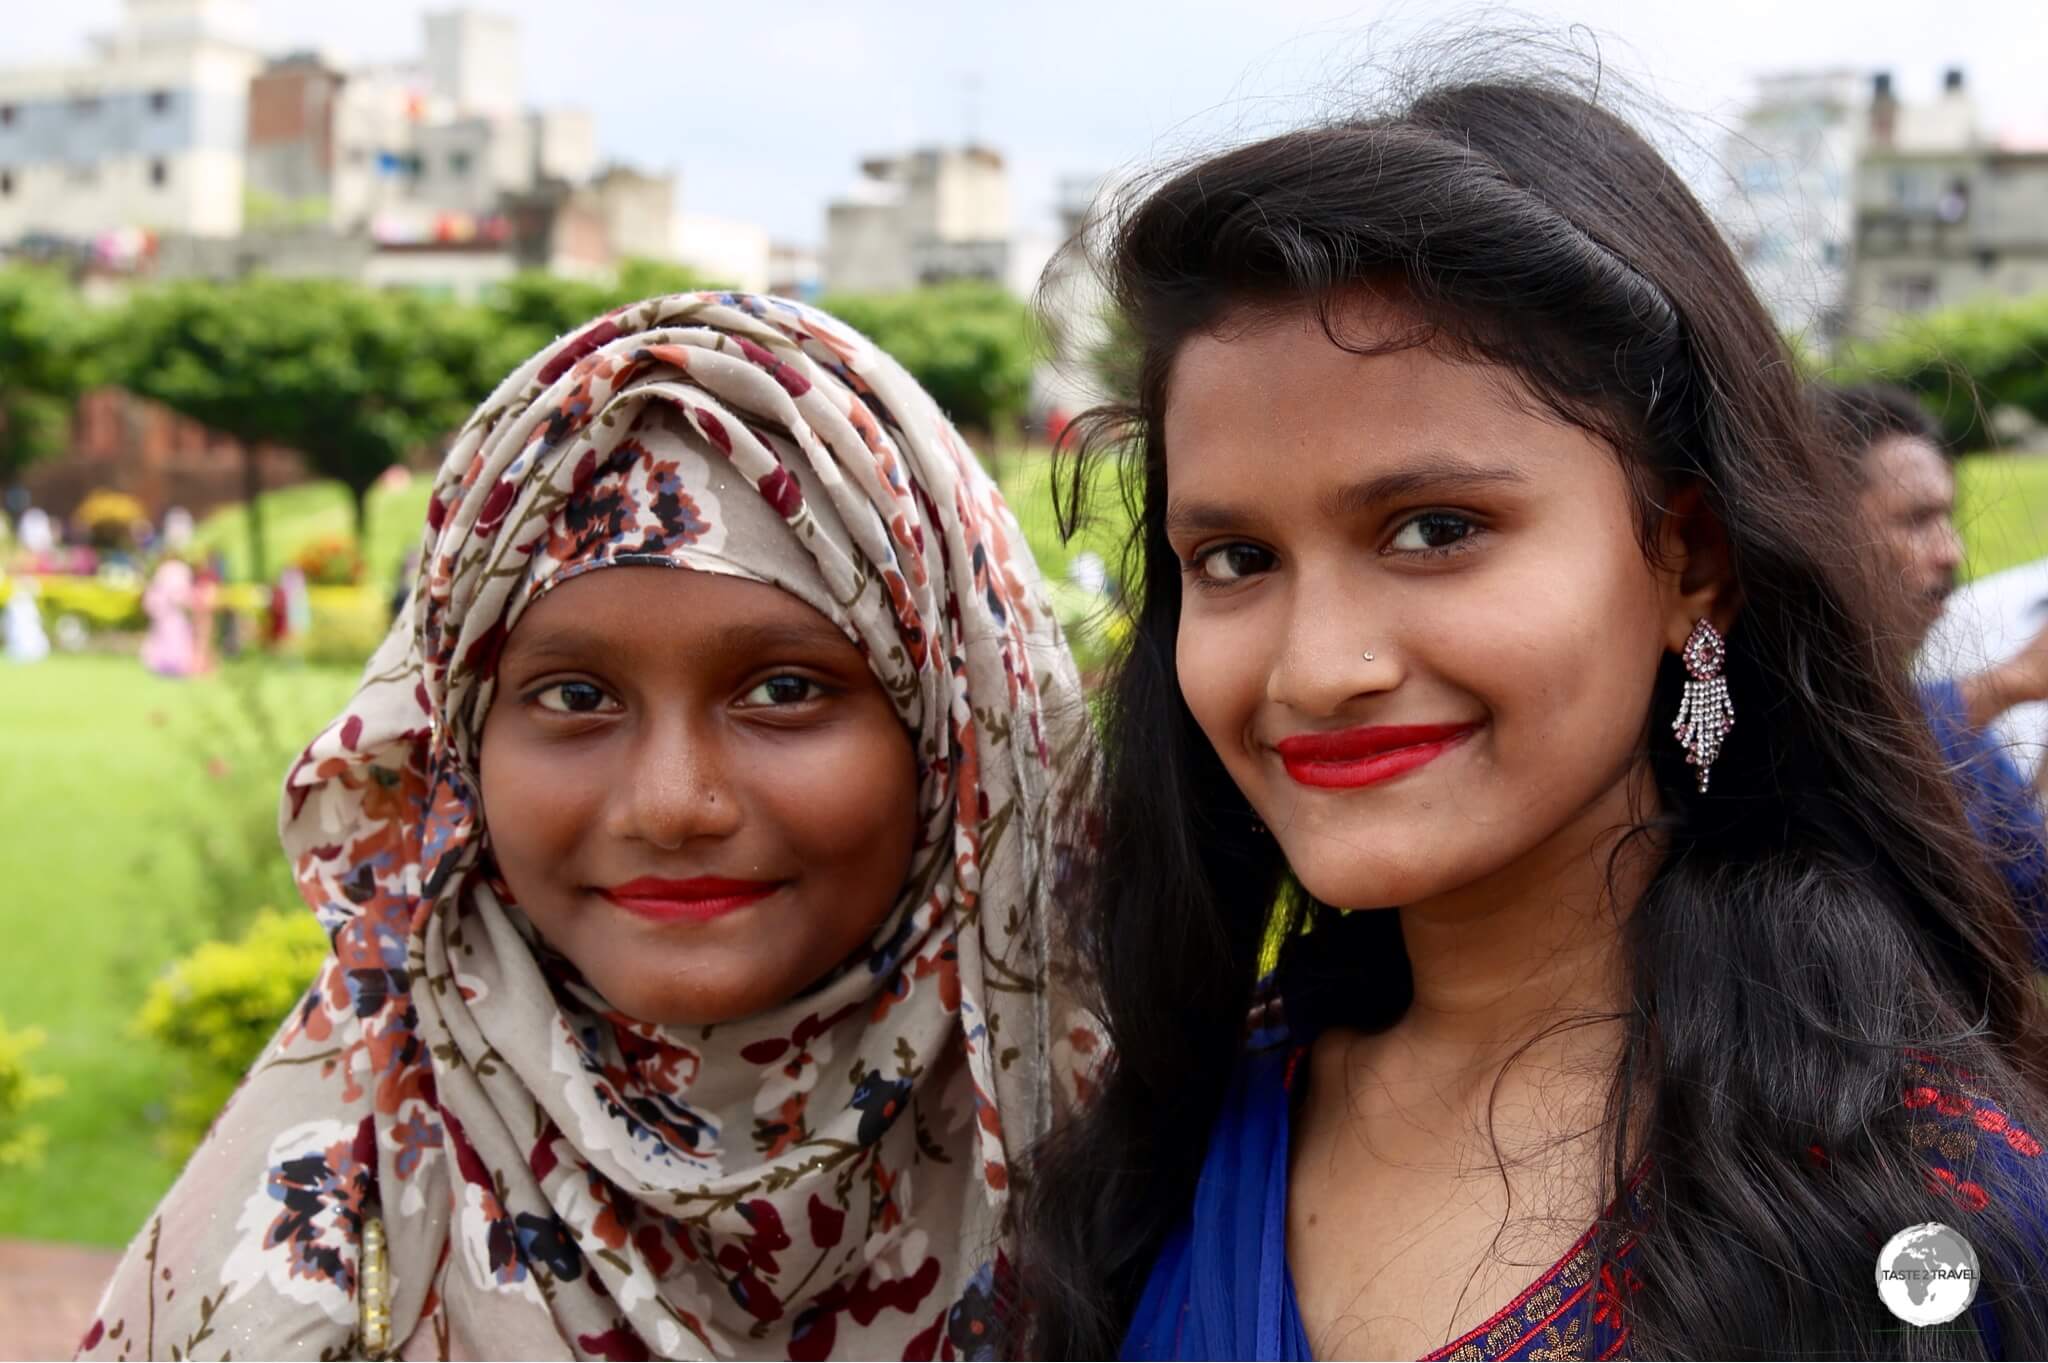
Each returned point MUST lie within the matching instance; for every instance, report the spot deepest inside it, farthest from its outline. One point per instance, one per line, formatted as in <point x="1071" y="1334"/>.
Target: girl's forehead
<point x="678" y="612"/>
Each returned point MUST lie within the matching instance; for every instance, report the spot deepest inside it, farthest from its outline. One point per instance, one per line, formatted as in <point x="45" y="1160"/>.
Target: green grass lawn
<point x="294" y="517"/>
<point x="2002" y="510"/>
<point x="106" y="786"/>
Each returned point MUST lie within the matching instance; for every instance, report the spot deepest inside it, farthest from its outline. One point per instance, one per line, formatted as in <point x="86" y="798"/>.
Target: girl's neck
<point x="1499" y="961"/>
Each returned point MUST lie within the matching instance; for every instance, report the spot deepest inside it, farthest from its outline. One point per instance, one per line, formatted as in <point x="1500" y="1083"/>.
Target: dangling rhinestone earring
<point x="1705" y="713"/>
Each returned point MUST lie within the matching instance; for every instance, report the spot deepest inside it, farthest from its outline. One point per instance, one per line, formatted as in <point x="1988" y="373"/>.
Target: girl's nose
<point x="675" y="789"/>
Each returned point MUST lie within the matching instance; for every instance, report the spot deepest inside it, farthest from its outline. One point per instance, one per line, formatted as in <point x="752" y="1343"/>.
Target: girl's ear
<point x="1697" y="568"/>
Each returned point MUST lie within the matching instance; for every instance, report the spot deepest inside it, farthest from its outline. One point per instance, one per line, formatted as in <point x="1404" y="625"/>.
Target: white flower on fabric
<point x="686" y="1292"/>
<point x="293" y="1236"/>
<point x="473" y="1227"/>
<point x="797" y="1071"/>
<point x="602" y="1124"/>
<point x="579" y="1209"/>
<point x="897" y="1253"/>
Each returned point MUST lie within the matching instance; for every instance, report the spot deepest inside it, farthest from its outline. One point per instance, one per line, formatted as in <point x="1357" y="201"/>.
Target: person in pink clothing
<point x="170" y="649"/>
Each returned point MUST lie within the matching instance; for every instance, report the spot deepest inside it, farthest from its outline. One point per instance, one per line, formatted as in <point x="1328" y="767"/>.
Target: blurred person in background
<point x="1906" y="496"/>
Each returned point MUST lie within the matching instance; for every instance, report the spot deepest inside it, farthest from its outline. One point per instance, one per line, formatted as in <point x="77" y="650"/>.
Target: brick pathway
<point x="47" y="1293"/>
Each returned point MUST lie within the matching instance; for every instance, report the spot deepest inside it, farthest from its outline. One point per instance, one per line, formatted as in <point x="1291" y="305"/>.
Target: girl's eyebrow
<point x="1439" y="473"/>
<point x="1434" y="473"/>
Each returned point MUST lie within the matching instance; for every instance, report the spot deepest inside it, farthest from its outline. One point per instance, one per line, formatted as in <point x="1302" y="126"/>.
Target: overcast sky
<point x="765" y="107"/>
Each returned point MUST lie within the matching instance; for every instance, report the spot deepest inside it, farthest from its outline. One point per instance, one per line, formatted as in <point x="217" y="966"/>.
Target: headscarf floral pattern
<point x="830" y="1177"/>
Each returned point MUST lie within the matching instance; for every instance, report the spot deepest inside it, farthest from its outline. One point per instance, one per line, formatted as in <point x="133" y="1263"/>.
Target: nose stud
<point x="1367" y="655"/>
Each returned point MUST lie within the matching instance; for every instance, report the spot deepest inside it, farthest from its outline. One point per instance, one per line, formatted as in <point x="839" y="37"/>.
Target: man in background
<point x="1906" y="496"/>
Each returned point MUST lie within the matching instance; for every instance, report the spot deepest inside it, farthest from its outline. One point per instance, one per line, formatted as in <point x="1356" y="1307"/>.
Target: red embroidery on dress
<point x="1607" y="1296"/>
<point x="1964" y="1193"/>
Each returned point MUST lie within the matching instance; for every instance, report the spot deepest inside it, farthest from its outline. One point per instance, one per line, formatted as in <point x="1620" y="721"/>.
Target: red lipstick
<point x="1367" y="754"/>
<point x="698" y="900"/>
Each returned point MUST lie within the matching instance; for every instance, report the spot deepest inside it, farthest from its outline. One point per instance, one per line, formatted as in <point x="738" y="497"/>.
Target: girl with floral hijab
<point x="572" y="1123"/>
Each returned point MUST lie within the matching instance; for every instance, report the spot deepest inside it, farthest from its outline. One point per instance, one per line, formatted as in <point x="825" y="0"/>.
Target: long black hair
<point x="1818" y="924"/>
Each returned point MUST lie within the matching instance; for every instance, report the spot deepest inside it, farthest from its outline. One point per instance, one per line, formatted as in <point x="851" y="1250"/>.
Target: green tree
<point x="356" y="379"/>
<point x="43" y="357"/>
<point x="1965" y="363"/>
<point x="970" y="344"/>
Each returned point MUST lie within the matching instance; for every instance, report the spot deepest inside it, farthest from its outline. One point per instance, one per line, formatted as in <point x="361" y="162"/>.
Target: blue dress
<point x="1220" y="1287"/>
<point x="2002" y="807"/>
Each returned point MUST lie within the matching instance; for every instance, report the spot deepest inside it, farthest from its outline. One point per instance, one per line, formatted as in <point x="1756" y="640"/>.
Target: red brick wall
<point x="131" y="445"/>
<point x="295" y="104"/>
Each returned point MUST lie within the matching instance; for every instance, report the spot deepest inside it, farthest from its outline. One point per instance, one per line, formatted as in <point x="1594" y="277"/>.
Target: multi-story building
<point x="472" y="61"/>
<point x="1944" y="214"/>
<point x="415" y="153"/>
<point x="146" y="134"/>
<point x="1786" y="205"/>
<point x="1073" y="305"/>
<point x="794" y="271"/>
<point x="932" y="215"/>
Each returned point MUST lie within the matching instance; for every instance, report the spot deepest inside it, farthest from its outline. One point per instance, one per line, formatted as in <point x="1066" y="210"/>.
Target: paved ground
<point x="47" y="1293"/>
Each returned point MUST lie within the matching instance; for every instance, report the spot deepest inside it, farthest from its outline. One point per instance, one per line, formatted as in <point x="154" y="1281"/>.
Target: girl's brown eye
<point x="1431" y="530"/>
<point x="572" y="697"/>
<point x="786" y="689"/>
<point x="1233" y="562"/>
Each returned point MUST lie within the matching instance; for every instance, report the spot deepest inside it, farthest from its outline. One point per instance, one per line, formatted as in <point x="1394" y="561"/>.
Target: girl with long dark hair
<point x="1499" y="621"/>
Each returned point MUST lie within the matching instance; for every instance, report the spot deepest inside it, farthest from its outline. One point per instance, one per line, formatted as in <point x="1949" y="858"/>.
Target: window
<point x="6" y="183"/>
<point x="160" y="101"/>
<point x="1909" y="293"/>
<point x="159" y="173"/>
<point x="458" y="163"/>
<point x="6" y="115"/>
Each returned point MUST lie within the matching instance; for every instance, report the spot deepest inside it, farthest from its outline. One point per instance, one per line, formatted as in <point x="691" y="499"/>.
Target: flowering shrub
<point x="331" y="561"/>
<point x="108" y="518"/>
<point x="20" y="1087"/>
<point x="216" y="1008"/>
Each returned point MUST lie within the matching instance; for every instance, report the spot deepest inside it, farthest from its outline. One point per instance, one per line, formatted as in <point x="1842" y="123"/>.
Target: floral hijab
<point x="556" y="1179"/>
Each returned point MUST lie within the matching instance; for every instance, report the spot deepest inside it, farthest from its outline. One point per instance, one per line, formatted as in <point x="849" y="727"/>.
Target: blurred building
<point x="1786" y="208"/>
<point x="1944" y="213"/>
<point x="409" y="153"/>
<point x="473" y="62"/>
<point x="1073" y="306"/>
<point x="146" y="134"/>
<point x="429" y="174"/>
<point x="795" y="271"/>
<point x="926" y="217"/>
